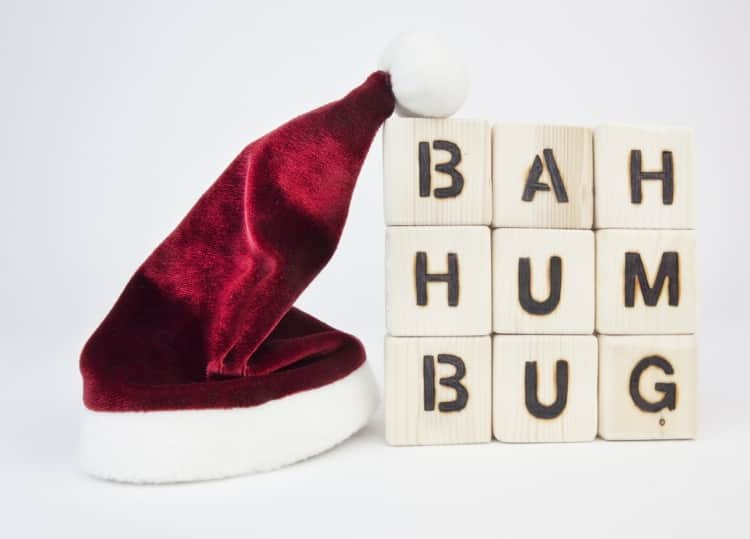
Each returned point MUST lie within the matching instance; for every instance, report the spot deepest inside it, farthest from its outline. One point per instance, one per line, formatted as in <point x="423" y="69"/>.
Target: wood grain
<point x="619" y="416"/>
<point x="575" y="310"/>
<point x="407" y="422"/>
<point x="402" y="200"/>
<point x="613" y="204"/>
<point x="514" y="149"/>
<point x="612" y="314"/>
<point x="512" y="421"/>
<point x="473" y="313"/>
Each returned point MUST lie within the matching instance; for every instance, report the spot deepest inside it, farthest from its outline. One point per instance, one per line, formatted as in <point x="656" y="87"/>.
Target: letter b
<point x="454" y="382"/>
<point x="448" y="167"/>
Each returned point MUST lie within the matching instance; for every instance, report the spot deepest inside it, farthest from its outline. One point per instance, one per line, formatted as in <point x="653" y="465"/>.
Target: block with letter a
<point x="542" y="176"/>
<point x="438" y="390"/>
<point x="645" y="282"/>
<point x="438" y="280"/>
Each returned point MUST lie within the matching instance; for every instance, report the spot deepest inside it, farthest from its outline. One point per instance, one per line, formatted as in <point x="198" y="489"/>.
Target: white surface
<point x="116" y="118"/>
<point x="193" y="445"/>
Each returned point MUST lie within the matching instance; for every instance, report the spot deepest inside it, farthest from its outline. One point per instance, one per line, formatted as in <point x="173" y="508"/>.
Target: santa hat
<point x="203" y="368"/>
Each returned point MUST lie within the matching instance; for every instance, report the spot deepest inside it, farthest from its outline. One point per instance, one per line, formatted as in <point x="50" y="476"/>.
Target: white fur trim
<point x="193" y="445"/>
<point x="427" y="77"/>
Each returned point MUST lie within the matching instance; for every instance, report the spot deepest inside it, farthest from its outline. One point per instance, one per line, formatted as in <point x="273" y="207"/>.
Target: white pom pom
<point x="427" y="77"/>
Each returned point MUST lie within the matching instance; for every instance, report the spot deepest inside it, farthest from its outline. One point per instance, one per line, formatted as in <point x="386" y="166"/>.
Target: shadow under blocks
<point x="540" y="282"/>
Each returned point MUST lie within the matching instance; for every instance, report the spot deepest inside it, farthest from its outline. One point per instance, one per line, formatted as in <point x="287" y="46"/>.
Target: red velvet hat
<point x="203" y="368"/>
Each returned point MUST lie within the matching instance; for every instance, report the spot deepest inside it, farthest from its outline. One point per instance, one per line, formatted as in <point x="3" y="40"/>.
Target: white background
<point x="114" y="119"/>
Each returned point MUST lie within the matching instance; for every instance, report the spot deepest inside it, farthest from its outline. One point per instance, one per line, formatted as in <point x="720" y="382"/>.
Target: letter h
<point x="422" y="278"/>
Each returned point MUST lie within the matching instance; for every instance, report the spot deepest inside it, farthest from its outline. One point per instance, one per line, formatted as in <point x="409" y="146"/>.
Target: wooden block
<point x="438" y="390"/>
<point x="647" y="387"/>
<point x="644" y="177"/>
<point x="645" y="281"/>
<point x="437" y="172"/>
<point x="542" y="176"/>
<point x="438" y="280"/>
<point x="544" y="388"/>
<point x="543" y="280"/>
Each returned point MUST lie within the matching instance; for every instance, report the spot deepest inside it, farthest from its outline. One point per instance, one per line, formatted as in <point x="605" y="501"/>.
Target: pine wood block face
<point x="543" y="281"/>
<point x="438" y="281"/>
<point x="542" y="176"/>
<point x="647" y="387"/>
<point x="645" y="282"/>
<point x="438" y="390"/>
<point x="544" y="388"/>
<point x="644" y="177"/>
<point x="437" y="172"/>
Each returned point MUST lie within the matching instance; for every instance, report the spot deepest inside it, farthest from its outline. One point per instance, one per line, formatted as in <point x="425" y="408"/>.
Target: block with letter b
<point x="542" y="176"/>
<point x="438" y="390"/>
<point x="544" y="388"/>
<point x="645" y="281"/>
<point x="438" y="280"/>
<point x="647" y="387"/>
<point x="543" y="281"/>
<point x="644" y="177"/>
<point x="437" y="172"/>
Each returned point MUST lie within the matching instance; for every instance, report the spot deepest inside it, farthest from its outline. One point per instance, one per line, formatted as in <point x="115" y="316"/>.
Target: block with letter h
<point x="644" y="178"/>
<point x="438" y="281"/>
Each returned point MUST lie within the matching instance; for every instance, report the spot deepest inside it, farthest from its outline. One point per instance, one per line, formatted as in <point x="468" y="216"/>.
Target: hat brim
<point x="194" y="445"/>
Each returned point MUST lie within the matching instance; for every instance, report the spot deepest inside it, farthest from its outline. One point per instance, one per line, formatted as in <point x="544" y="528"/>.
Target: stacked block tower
<point x="540" y="282"/>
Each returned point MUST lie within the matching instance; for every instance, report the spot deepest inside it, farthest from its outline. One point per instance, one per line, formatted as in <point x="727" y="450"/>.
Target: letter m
<point x="669" y="269"/>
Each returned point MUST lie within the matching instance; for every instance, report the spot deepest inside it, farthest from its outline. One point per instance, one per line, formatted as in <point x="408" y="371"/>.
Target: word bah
<point x="540" y="282"/>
